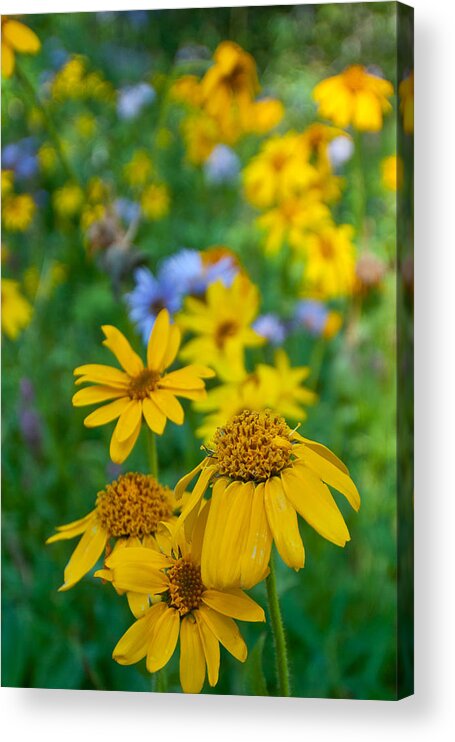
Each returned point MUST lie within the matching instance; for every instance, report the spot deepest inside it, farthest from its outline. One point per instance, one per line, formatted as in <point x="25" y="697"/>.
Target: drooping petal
<point x="283" y="524"/>
<point x="211" y="648"/>
<point x="256" y="554"/>
<point x="85" y="555"/>
<point x="122" y="350"/>
<point x="192" y="658"/>
<point x="70" y="530"/>
<point x="154" y="417"/>
<point x="313" y="500"/>
<point x="120" y="450"/>
<point x="128" y="421"/>
<point x="183" y="483"/>
<point x="332" y="476"/>
<point x="322" y="451"/>
<point x="95" y="395"/>
<point x="107" y="413"/>
<point x="197" y="493"/>
<point x="226" y="631"/>
<point x="169" y="405"/>
<point x="163" y="641"/>
<point x="132" y="647"/>
<point x="158" y="341"/>
<point x="233" y="603"/>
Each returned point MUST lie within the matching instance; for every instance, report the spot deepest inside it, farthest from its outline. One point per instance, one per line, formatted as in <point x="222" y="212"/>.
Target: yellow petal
<point x="198" y="531"/>
<point x="234" y="603"/>
<point x="7" y="60"/>
<point x="332" y="476"/>
<point x="173" y="345"/>
<point x="322" y="451"/>
<point x="20" y="37"/>
<point x="132" y="647"/>
<point x="183" y="483"/>
<point x="163" y="641"/>
<point x="158" y="341"/>
<point x="196" y="495"/>
<point x="256" y="554"/>
<point x="122" y="350"/>
<point x="283" y="524"/>
<point x="154" y="417"/>
<point x="85" y="555"/>
<point x="169" y="405"/>
<point x="107" y="413"/>
<point x="100" y="374"/>
<point x="70" y="530"/>
<point x="182" y="379"/>
<point x="138" y="603"/>
<point x="135" y="555"/>
<point x="312" y="499"/>
<point x="95" y="395"/>
<point x="211" y="648"/>
<point x="226" y="631"/>
<point x="120" y="450"/>
<point x="138" y="570"/>
<point x="192" y="658"/>
<point x="129" y="420"/>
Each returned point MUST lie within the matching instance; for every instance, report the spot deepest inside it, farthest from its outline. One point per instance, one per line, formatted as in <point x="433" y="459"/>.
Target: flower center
<point x="185" y="586"/>
<point x="225" y="330"/>
<point x="253" y="446"/>
<point x="133" y="505"/>
<point x="143" y="383"/>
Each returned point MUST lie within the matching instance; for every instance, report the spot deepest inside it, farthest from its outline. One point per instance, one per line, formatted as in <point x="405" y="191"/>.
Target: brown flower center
<point x="326" y="248"/>
<point x="253" y="446"/>
<point x="143" y="383"/>
<point x="133" y="505"/>
<point x="185" y="586"/>
<point x="224" y="331"/>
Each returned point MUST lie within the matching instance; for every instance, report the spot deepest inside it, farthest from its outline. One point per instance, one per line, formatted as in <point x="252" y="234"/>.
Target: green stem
<point x="69" y="171"/>
<point x="152" y="453"/>
<point x="279" y="637"/>
<point x="359" y="188"/>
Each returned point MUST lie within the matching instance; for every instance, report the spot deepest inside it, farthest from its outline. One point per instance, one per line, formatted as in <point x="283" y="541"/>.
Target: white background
<point x="69" y="715"/>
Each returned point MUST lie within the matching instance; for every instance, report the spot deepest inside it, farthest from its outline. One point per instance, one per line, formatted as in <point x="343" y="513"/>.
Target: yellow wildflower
<point x="263" y="115"/>
<point x="139" y="169"/>
<point x="330" y="267"/>
<point x="354" y="97"/>
<point x="187" y="90"/>
<point x="139" y="391"/>
<point x="47" y="157"/>
<point x="232" y="80"/>
<point x="392" y="171"/>
<point x="85" y="125"/>
<point x="290" y="221"/>
<point x="201" y="616"/>
<point x="16" y="37"/>
<point x="201" y="134"/>
<point x="67" y="200"/>
<point x="263" y="474"/>
<point x="7" y="182"/>
<point x="16" y="310"/>
<point x="18" y="212"/>
<point x="406" y="93"/>
<point x="155" y="201"/>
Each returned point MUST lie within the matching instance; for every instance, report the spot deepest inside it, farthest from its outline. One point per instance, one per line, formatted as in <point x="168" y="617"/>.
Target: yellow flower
<point x="7" y="181"/>
<point x="221" y="324"/>
<point x="330" y="267"/>
<point x="16" y="37"/>
<point x="232" y="80"/>
<point x="280" y="171"/>
<point x="67" y="200"/>
<point x="263" y="474"/>
<point x="263" y="115"/>
<point x="92" y="214"/>
<point x="392" y="172"/>
<point x="74" y="82"/>
<point x="201" y="616"/>
<point x="16" y="310"/>
<point x="132" y="510"/>
<point x="139" y="390"/>
<point x="290" y="221"/>
<point x="332" y="325"/>
<point x="201" y="134"/>
<point x="18" y="212"/>
<point x="85" y="125"/>
<point x="406" y="93"/>
<point x="187" y="90"/>
<point x="278" y="388"/>
<point x="354" y="97"/>
<point x="155" y="201"/>
<point x="47" y="157"/>
<point x="139" y="169"/>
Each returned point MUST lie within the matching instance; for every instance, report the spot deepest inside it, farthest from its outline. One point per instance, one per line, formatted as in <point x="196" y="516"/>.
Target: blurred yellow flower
<point x="35" y="280"/>
<point x="139" y="169"/>
<point x="187" y="89"/>
<point x="201" y="616"/>
<point x="231" y="80"/>
<point x="91" y="214"/>
<point x="68" y="200"/>
<point x="73" y="81"/>
<point x="7" y="182"/>
<point x="290" y="221"/>
<point x="16" y="310"/>
<point x="406" y="93"/>
<point x="85" y="125"/>
<point x="201" y="134"/>
<point x="330" y="262"/>
<point x="155" y="201"/>
<point x="132" y="510"/>
<point x="392" y="171"/>
<point x="221" y="324"/>
<point x="278" y="388"/>
<point x="263" y="474"/>
<point x="332" y="326"/>
<point x="263" y="115"/>
<point x="47" y="157"/>
<point x="354" y="97"/>
<point x="139" y="391"/>
<point x="16" y="37"/>
<point x="18" y="212"/>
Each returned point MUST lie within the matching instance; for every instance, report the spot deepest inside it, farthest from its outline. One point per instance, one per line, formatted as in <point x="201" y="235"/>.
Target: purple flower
<point x="186" y="271"/>
<point x="128" y="211"/>
<point x="312" y="315"/>
<point x="132" y="99"/>
<point x="20" y="156"/>
<point x="150" y="295"/>
<point x="222" y="165"/>
<point x="271" y="327"/>
<point x="340" y="150"/>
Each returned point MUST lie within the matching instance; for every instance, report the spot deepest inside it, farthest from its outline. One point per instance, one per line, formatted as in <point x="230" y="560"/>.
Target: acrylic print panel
<point x="207" y="350"/>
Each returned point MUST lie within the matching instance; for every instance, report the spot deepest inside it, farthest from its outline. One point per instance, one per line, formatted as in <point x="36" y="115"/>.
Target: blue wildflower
<point x="149" y="296"/>
<point x="222" y="165"/>
<point x="132" y="99"/>
<point x="271" y="327"/>
<point x="312" y="315"/>
<point x="187" y="272"/>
